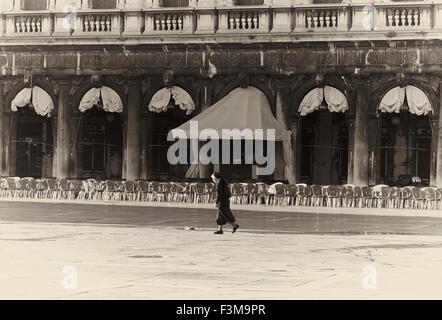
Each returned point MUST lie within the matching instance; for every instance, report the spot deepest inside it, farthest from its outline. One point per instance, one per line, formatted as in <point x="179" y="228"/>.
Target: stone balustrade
<point x="245" y="20"/>
<point x="27" y="24"/>
<point x="321" y="18"/>
<point x="403" y="17"/>
<point x="303" y="20"/>
<point x="88" y="23"/>
<point x="168" y="22"/>
<point x="165" y="21"/>
<point x="96" y="23"/>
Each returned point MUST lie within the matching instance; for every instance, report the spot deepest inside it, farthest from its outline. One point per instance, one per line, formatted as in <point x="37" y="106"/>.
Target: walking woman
<point x="224" y="214"/>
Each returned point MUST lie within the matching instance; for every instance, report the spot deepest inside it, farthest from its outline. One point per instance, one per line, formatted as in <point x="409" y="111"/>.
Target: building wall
<point x="210" y="54"/>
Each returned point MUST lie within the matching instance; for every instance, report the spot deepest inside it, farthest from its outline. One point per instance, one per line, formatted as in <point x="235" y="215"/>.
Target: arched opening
<point x="170" y="107"/>
<point x="323" y="137"/>
<point x="30" y="142"/>
<point x="100" y="135"/>
<point x="404" y="137"/>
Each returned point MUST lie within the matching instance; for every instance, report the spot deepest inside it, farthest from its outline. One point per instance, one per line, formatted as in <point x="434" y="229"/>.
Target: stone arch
<point x="344" y="86"/>
<point x="83" y="89"/>
<point x="404" y="143"/>
<point x="47" y="86"/>
<point x="157" y="86"/>
<point x="322" y="135"/>
<point x="31" y="137"/>
<point x="386" y="86"/>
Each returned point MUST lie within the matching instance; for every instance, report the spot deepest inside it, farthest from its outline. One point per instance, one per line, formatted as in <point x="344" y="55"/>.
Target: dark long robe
<point x="224" y="214"/>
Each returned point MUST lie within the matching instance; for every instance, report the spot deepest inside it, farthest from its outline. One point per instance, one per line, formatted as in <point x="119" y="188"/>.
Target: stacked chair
<point x="247" y="193"/>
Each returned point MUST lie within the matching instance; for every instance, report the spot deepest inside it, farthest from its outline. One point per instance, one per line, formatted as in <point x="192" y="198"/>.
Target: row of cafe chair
<point x="379" y="196"/>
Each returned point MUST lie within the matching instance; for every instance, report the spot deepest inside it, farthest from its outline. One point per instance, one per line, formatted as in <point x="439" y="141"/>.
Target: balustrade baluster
<point x="309" y="21"/>
<point x="28" y="24"/>
<point x="39" y="24"/>
<point x="33" y="29"/>
<point x="409" y="17"/>
<point x="250" y="21"/>
<point x="238" y="21"/>
<point x="396" y="17"/>
<point x="102" y="24"/>
<point x="163" y="22"/>
<point x="97" y="23"/>
<point x="174" y="22"/>
<point x="157" y="24"/>
<point x="416" y="17"/>
<point x="315" y="19"/>
<point x="23" y="24"/>
<point x="168" y="23"/>
<point x="403" y="17"/>
<point x="327" y="19"/>
<point x="321" y="19"/>
<point x="334" y="19"/>
<point x="180" y="22"/>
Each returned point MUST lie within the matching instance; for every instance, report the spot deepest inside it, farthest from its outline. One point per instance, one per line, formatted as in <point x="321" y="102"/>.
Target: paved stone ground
<point x="138" y="262"/>
<point x="145" y="252"/>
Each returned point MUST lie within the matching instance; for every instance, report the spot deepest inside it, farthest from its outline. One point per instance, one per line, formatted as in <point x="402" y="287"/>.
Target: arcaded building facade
<point x="90" y="89"/>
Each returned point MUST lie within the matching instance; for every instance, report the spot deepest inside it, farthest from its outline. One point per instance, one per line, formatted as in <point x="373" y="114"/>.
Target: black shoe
<point x="235" y="227"/>
<point x="218" y="232"/>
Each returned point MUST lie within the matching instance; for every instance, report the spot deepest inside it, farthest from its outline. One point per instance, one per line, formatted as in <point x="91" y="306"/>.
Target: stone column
<point x="2" y="135"/>
<point x="434" y="141"/>
<point x="375" y="132"/>
<point x="283" y="117"/>
<point x="11" y="147"/>
<point x="63" y="145"/>
<point x="361" y="134"/>
<point x="133" y="150"/>
<point x="206" y="102"/>
<point x="439" y="142"/>
<point x="294" y="128"/>
<point x="351" y="143"/>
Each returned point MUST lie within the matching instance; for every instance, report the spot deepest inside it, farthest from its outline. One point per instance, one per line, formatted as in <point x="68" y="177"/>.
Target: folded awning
<point x="335" y="100"/>
<point x="161" y="99"/>
<point x="104" y="97"/>
<point x="418" y="102"/>
<point x="35" y="97"/>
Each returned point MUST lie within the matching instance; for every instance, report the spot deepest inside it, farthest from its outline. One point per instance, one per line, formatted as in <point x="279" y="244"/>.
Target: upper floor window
<point x="34" y="4"/>
<point x="175" y="3"/>
<point x="249" y="2"/>
<point x="103" y="4"/>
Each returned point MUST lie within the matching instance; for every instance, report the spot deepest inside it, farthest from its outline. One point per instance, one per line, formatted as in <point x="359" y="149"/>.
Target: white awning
<point x="335" y="99"/>
<point x="104" y="97"/>
<point x="418" y="102"/>
<point x="35" y="97"/>
<point x="243" y="108"/>
<point x="161" y="99"/>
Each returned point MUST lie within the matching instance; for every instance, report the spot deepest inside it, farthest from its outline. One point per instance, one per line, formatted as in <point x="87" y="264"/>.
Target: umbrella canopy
<point x="242" y="108"/>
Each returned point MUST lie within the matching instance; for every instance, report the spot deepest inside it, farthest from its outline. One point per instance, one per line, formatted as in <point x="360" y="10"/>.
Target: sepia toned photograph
<point x="222" y="150"/>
